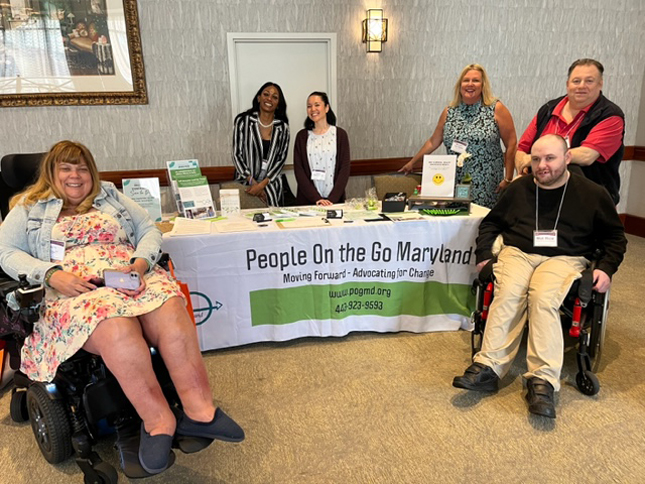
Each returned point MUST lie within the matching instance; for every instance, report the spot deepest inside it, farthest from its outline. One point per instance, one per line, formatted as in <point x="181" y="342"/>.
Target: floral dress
<point x="93" y="241"/>
<point x="476" y="125"/>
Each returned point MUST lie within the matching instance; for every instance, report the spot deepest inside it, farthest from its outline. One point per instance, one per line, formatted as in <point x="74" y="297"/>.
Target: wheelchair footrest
<point x="127" y="443"/>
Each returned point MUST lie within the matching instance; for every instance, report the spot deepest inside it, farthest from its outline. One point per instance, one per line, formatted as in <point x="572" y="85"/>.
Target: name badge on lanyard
<point x="545" y="238"/>
<point x="458" y="146"/>
<point x="318" y="175"/>
<point x="57" y="250"/>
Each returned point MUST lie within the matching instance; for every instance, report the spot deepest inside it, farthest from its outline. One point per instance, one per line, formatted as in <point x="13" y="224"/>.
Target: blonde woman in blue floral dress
<point x="473" y="125"/>
<point x="63" y="231"/>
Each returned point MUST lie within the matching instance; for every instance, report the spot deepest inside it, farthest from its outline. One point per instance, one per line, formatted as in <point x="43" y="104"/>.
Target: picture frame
<point x="70" y="52"/>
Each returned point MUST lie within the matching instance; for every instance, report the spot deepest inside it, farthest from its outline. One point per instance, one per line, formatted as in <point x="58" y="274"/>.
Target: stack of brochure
<point x="190" y="189"/>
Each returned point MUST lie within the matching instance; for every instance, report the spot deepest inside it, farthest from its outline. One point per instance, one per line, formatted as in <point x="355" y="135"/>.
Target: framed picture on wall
<point x="70" y="52"/>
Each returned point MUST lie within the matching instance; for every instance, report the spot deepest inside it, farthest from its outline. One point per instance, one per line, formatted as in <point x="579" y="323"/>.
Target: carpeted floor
<point x="379" y="408"/>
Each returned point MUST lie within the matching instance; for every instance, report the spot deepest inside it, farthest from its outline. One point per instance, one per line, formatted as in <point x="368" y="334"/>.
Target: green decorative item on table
<point x="372" y="199"/>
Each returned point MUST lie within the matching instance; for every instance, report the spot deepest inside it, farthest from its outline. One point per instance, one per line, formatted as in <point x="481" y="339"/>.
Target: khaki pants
<point x="534" y="286"/>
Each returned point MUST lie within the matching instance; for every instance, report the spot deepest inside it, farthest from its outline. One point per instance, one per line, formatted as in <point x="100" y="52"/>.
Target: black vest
<point x="605" y="174"/>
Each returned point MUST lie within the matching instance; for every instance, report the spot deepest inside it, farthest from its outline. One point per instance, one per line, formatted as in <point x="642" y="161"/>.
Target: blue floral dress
<point x="94" y="241"/>
<point x="476" y="125"/>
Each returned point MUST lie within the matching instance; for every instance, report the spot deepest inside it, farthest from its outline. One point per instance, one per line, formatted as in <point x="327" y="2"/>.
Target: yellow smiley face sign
<point x="438" y="179"/>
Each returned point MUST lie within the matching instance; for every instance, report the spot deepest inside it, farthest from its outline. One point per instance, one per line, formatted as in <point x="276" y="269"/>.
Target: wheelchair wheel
<point x="106" y="474"/>
<point x="598" y="331"/>
<point x="50" y="424"/>
<point x="587" y="383"/>
<point x="18" y="406"/>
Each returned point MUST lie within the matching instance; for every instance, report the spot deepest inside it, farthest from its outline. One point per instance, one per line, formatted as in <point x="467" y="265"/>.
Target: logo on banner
<point x="203" y="307"/>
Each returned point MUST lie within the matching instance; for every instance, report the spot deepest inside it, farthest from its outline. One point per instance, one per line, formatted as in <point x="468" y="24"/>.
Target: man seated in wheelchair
<point x="550" y="224"/>
<point x="63" y="232"/>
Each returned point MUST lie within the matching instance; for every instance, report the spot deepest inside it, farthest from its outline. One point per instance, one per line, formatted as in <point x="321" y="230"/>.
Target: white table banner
<point x="283" y="284"/>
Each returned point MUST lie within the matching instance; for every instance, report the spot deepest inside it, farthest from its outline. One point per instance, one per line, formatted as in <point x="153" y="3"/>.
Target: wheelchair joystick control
<point x="22" y="281"/>
<point x="574" y="331"/>
<point x="28" y="296"/>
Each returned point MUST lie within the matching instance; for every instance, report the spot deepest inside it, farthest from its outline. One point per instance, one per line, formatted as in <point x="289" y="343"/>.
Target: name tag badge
<point x="265" y="165"/>
<point x="318" y="175"/>
<point x="545" y="238"/>
<point x="459" y="146"/>
<point x="57" y="250"/>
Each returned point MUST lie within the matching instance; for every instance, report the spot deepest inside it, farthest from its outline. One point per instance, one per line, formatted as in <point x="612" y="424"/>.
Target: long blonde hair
<point x="45" y="186"/>
<point x="487" y="92"/>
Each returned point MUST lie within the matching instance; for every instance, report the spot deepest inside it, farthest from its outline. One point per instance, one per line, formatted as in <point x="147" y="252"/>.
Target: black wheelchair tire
<point x="598" y="332"/>
<point x="587" y="383"/>
<point x="50" y="424"/>
<point x="106" y="473"/>
<point x="18" y="406"/>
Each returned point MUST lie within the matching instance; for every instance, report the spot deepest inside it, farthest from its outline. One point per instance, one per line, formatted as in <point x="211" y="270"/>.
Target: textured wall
<point x="640" y="130"/>
<point x="388" y="102"/>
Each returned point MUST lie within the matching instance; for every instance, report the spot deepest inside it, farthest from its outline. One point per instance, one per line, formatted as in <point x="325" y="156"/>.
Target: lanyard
<point x="537" y="203"/>
<point x="575" y="125"/>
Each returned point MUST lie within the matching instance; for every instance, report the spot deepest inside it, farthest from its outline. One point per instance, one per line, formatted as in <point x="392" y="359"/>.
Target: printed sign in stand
<point x="438" y="178"/>
<point x="146" y="192"/>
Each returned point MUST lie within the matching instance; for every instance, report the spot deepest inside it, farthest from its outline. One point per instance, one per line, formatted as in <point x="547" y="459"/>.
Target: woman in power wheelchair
<point x="64" y="232"/>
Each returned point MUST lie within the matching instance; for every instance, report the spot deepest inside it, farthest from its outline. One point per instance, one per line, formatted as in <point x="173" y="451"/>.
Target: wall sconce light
<point x="374" y="30"/>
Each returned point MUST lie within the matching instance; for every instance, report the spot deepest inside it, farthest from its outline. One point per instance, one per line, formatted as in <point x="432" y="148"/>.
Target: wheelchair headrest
<point x="19" y="170"/>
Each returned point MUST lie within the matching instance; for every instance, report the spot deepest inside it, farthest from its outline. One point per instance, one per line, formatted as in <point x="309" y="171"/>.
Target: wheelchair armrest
<point x="486" y="274"/>
<point x="164" y="261"/>
<point x="585" y="285"/>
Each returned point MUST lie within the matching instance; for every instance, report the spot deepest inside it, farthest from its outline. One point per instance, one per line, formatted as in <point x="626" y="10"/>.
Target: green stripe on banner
<point x="338" y="301"/>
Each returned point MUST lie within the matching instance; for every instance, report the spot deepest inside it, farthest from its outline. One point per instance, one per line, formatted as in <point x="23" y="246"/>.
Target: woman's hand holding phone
<point x="132" y="285"/>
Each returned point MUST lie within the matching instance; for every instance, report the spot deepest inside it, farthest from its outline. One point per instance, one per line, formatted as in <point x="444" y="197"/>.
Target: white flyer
<point x="438" y="178"/>
<point x="229" y="201"/>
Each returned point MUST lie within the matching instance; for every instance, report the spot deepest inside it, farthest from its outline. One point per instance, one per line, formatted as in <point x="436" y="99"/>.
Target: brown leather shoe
<point x="479" y="378"/>
<point x="540" y="397"/>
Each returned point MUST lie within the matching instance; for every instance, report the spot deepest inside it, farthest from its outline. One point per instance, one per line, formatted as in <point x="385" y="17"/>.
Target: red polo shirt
<point x="604" y="137"/>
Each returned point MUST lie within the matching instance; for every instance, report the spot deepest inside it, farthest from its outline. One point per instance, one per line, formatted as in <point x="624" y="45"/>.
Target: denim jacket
<point x="25" y="235"/>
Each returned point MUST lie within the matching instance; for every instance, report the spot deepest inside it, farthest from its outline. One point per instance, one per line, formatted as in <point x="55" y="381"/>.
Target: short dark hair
<point x="280" y="111"/>
<point x="586" y="62"/>
<point x="331" y="117"/>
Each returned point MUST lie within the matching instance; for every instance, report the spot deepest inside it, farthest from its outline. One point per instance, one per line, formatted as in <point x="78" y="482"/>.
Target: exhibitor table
<point x="276" y="284"/>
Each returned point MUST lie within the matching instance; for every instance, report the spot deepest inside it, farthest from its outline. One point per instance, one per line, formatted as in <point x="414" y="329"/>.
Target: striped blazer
<point x="247" y="153"/>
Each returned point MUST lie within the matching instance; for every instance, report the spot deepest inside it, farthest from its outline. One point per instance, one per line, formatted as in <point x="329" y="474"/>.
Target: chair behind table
<point x="395" y="184"/>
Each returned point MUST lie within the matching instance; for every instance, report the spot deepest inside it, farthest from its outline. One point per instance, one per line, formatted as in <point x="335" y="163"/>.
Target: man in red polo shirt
<point x="593" y="127"/>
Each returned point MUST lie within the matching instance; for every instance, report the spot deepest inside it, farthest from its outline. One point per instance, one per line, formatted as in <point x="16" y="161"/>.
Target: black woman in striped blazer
<point x="260" y="145"/>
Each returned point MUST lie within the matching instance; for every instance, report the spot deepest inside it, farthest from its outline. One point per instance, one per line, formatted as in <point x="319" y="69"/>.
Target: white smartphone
<point x="121" y="280"/>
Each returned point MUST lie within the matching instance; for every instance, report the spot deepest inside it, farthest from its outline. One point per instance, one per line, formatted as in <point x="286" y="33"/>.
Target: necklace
<point x="270" y="125"/>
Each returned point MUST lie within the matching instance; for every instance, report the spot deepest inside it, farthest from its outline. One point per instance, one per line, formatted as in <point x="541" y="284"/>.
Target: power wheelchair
<point x="84" y="400"/>
<point x="583" y="315"/>
<point x="68" y="414"/>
